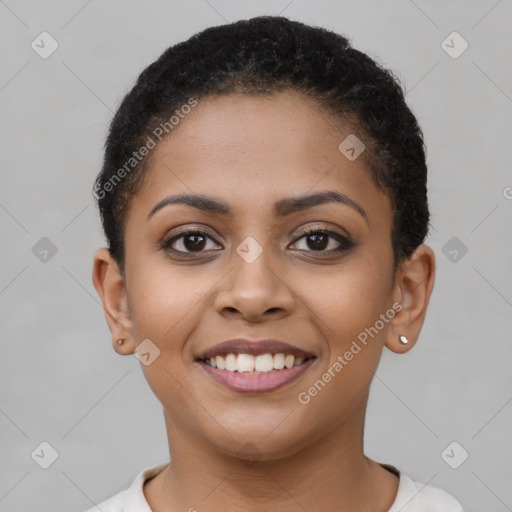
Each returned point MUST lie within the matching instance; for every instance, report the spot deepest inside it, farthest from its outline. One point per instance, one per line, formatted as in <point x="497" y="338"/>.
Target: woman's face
<point x="251" y="273"/>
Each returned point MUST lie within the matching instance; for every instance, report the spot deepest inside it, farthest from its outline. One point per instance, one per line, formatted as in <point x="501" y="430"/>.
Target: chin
<point x="263" y="444"/>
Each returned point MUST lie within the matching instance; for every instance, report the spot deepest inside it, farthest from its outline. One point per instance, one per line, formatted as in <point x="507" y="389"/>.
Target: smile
<point x="256" y="381"/>
<point x="249" y="364"/>
<point x="254" y="366"/>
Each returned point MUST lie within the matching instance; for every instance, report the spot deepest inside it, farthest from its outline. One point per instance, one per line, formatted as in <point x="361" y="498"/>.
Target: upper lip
<point x="254" y="347"/>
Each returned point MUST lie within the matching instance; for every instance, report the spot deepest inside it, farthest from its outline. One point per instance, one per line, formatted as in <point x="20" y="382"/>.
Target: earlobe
<point x="412" y="288"/>
<point x="403" y="339"/>
<point x="399" y="343"/>
<point x="109" y="284"/>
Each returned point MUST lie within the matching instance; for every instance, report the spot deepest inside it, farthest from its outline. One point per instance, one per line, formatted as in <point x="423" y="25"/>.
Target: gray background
<point x="61" y="381"/>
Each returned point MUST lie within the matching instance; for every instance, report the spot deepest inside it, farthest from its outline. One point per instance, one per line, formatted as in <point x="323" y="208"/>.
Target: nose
<point x="254" y="292"/>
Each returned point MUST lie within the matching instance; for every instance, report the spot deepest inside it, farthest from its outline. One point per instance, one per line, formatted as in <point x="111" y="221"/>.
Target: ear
<point x="110" y="285"/>
<point x="413" y="286"/>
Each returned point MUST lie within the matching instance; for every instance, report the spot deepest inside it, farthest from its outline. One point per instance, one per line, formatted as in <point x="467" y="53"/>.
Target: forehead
<point x="253" y="151"/>
<point x="279" y="127"/>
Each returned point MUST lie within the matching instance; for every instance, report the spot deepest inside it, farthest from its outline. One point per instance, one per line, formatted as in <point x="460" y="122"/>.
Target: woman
<point x="264" y="200"/>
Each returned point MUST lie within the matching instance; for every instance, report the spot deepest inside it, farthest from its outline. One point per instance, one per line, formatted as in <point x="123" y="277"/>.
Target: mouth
<point x="255" y="366"/>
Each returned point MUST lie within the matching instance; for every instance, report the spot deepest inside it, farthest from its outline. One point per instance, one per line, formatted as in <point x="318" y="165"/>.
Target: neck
<point x="331" y="474"/>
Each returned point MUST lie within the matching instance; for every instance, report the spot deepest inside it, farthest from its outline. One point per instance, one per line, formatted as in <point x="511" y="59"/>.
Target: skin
<point x="250" y="152"/>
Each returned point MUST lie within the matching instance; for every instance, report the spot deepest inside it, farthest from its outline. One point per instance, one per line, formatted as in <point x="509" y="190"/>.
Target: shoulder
<point x="418" y="497"/>
<point x="131" y="499"/>
<point x="113" y="504"/>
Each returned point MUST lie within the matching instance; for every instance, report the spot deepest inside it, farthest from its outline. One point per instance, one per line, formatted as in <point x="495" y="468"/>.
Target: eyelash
<point x="344" y="241"/>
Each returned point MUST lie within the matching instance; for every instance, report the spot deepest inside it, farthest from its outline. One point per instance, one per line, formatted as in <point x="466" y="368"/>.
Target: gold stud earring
<point x="120" y="341"/>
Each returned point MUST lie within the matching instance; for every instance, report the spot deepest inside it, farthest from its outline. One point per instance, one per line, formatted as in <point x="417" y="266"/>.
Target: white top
<point x="411" y="497"/>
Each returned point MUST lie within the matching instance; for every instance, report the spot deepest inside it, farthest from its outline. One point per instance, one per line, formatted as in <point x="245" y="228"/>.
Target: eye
<point x="189" y="241"/>
<point x="318" y="240"/>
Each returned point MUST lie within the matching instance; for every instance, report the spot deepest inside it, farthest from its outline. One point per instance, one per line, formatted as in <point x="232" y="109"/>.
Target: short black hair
<point x="260" y="56"/>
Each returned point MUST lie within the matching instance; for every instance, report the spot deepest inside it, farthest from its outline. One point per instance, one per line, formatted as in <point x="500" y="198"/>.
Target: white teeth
<point x="231" y="362"/>
<point x="264" y="363"/>
<point x="278" y="361"/>
<point x="289" y="360"/>
<point x="247" y="363"/>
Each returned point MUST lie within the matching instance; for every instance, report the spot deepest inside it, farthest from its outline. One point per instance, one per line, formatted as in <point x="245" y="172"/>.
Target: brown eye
<point x="318" y="240"/>
<point x="188" y="241"/>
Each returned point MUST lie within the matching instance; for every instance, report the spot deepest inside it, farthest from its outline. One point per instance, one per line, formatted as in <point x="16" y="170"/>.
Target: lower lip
<point x="256" y="382"/>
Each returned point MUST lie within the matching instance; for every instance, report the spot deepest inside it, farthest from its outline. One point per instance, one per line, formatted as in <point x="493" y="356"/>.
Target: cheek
<point x="162" y="310"/>
<point x="161" y="298"/>
<point x="352" y="299"/>
<point x="166" y="305"/>
<point x="349" y="316"/>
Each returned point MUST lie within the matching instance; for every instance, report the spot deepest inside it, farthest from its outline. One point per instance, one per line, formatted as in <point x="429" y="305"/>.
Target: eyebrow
<point x="282" y="208"/>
